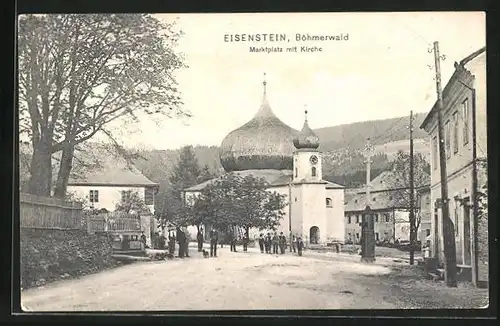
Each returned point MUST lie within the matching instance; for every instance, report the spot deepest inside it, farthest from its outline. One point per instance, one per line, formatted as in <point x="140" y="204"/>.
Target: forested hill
<point x="354" y="135"/>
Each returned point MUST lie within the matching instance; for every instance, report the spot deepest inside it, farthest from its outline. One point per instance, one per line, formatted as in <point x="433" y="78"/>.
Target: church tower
<point x="309" y="185"/>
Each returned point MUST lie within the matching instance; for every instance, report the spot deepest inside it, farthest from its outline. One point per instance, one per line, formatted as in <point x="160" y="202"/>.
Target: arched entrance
<point x="314" y="235"/>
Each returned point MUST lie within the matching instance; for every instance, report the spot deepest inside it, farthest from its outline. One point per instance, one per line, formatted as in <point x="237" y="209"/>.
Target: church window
<point x="357" y="236"/>
<point x="313" y="171"/>
<point x="387" y="217"/>
<point x="357" y="218"/>
<point x="296" y="172"/>
<point x="328" y="202"/>
<point x="349" y="220"/>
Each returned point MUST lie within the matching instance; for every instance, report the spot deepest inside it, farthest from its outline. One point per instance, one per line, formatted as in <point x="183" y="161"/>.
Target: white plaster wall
<point x="109" y="196"/>
<point x="335" y="216"/>
<point x="314" y="209"/>
<point x="303" y="164"/>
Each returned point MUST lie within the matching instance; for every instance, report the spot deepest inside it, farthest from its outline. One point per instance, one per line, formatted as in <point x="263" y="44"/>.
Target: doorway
<point x="467" y="233"/>
<point x="314" y="235"/>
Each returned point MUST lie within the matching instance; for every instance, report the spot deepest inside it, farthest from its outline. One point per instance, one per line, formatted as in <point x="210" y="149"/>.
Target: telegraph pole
<point x="448" y="232"/>
<point x="290" y="211"/>
<point x="413" y="231"/>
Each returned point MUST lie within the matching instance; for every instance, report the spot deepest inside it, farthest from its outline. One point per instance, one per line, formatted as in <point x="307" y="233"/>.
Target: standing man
<point x="294" y="240"/>
<point x="282" y="243"/>
<point x="181" y="239"/>
<point x="275" y="243"/>
<point x="214" y="237"/>
<point x="143" y="239"/>
<point x="261" y="243"/>
<point x="245" y="242"/>
<point x="199" y="238"/>
<point x="300" y="245"/>
<point x="268" y="243"/>
<point x="188" y="240"/>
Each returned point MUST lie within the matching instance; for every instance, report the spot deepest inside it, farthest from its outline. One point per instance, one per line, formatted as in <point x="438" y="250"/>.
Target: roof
<point x="274" y="178"/>
<point x="99" y="164"/>
<point x="380" y="201"/>
<point x="458" y="67"/>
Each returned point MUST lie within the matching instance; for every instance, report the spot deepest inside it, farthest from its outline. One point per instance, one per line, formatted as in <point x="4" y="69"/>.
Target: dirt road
<point x="232" y="281"/>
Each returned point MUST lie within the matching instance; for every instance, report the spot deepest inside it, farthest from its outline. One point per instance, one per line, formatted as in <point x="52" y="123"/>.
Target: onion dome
<point x="265" y="142"/>
<point x="306" y="139"/>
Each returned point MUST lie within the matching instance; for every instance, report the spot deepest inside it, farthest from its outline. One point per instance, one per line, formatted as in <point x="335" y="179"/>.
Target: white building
<point x="291" y="164"/>
<point x="107" y="178"/>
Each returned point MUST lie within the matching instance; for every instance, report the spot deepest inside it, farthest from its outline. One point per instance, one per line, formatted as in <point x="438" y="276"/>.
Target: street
<point x="248" y="281"/>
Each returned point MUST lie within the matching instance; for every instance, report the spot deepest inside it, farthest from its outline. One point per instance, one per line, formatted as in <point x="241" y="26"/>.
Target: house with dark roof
<point x="465" y="142"/>
<point x="391" y="214"/>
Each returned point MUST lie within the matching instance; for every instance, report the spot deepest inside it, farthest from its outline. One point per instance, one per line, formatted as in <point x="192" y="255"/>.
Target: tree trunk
<point x="40" y="182"/>
<point x="64" y="171"/>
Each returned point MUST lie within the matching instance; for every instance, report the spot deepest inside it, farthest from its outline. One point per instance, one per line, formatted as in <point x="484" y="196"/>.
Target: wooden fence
<point x="112" y="222"/>
<point x="49" y="213"/>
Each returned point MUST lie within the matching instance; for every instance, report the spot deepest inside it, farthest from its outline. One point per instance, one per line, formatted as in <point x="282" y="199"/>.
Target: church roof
<point x="269" y="175"/>
<point x="98" y="164"/>
<point x="306" y="139"/>
<point x="263" y="143"/>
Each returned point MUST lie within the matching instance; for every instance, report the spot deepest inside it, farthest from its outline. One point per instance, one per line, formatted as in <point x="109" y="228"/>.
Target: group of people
<point x="271" y="243"/>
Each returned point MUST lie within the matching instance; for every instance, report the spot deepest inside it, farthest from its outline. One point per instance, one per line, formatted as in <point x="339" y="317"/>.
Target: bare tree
<point x="78" y="73"/>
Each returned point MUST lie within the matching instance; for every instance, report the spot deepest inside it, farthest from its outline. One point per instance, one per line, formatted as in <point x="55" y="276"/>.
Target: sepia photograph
<point x="252" y="161"/>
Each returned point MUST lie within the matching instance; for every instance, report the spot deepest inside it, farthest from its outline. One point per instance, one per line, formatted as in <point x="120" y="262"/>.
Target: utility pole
<point x="367" y="227"/>
<point x="290" y="211"/>
<point x="448" y="232"/>
<point x="413" y="231"/>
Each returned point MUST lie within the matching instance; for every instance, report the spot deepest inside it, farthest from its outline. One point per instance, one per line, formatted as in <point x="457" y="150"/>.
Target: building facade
<point x="465" y="144"/>
<point x="291" y="164"/>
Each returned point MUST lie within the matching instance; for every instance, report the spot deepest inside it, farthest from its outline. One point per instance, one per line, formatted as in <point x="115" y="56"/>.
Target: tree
<point x="399" y="182"/>
<point x="78" y="73"/>
<point x="131" y="203"/>
<point x="238" y="202"/>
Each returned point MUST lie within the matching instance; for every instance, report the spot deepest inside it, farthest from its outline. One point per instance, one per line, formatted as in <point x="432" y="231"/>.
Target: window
<point x="125" y="195"/>
<point x="465" y="118"/>
<point x="447" y="139"/>
<point x="434" y="153"/>
<point x="349" y="220"/>
<point x="374" y="199"/>
<point x="427" y="232"/>
<point x="387" y="217"/>
<point x="357" y="218"/>
<point x="313" y="171"/>
<point x="357" y="236"/>
<point x="296" y="172"/>
<point x="455" y="132"/>
<point x="456" y="222"/>
<point x="376" y="218"/>
<point x="376" y="237"/>
<point x="149" y="196"/>
<point x="328" y="202"/>
<point x="94" y="196"/>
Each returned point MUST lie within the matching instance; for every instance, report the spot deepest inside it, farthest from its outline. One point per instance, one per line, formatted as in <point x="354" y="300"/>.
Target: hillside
<point x="354" y="135"/>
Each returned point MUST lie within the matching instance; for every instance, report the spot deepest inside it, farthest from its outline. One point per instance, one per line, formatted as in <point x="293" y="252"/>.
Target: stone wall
<point x="49" y="255"/>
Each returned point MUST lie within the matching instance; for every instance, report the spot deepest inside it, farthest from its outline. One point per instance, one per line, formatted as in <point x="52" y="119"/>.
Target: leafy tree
<point x="131" y="203"/>
<point x="238" y="202"/>
<point x="78" y="73"/>
<point x="399" y="181"/>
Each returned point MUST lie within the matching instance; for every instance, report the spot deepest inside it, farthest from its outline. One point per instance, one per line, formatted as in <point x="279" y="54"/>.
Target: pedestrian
<point x="275" y="243"/>
<point x="282" y="243"/>
<point x="171" y="244"/>
<point x="143" y="238"/>
<point x="294" y="239"/>
<point x="300" y="245"/>
<point x="188" y="240"/>
<point x="181" y="240"/>
<point x="214" y="237"/>
<point x="245" y="242"/>
<point x="199" y="238"/>
<point x="232" y="242"/>
<point x="268" y="243"/>
<point x="261" y="243"/>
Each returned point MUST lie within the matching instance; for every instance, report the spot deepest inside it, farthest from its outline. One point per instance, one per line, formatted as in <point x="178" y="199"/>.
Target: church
<point x="290" y="162"/>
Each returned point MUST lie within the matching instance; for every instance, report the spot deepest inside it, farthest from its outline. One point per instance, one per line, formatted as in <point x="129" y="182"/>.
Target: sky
<point x="382" y="70"/>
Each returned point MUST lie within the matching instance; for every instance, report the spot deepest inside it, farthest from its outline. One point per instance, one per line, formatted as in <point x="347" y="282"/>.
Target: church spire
<point x="265" y="108"/>
<point x="306" y="139"/>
